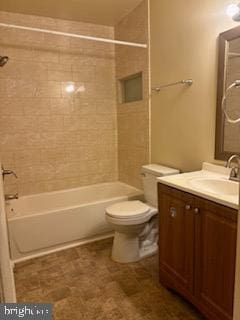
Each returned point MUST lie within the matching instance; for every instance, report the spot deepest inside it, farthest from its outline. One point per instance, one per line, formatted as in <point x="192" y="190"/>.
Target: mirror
<point x="228" y="134"/>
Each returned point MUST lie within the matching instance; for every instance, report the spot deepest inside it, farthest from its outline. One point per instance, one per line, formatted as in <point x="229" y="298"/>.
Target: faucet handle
<point x="235" y="174"/>
<point x="7" y="172"/>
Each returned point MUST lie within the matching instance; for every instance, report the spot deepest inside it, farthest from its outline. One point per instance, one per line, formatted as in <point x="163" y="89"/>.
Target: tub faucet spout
<point x="11" y="196"/>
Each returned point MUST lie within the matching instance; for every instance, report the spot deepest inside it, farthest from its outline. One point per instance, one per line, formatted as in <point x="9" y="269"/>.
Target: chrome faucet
<point x="11" y="196"/>
<point x="235" y="172"/>
<point x="8" y="172"/>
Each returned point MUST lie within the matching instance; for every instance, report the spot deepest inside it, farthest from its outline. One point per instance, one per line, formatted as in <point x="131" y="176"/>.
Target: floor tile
<point x="83" y="283"/>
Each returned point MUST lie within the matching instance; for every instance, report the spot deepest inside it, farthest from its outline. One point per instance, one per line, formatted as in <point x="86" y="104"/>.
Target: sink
<point x="216" y="185"/>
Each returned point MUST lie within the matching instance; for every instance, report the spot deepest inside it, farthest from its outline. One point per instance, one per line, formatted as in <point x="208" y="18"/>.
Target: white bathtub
<point x="43" y="222"/>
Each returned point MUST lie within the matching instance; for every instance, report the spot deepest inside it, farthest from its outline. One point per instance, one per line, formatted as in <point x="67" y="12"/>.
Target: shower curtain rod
<point x="74" y="35"/>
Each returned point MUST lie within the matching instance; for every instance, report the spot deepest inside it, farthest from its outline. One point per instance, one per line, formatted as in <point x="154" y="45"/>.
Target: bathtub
<point x="49" y="221"/>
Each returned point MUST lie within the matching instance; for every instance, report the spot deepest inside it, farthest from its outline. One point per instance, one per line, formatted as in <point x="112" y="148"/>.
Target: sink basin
<point x="216" y="185"/>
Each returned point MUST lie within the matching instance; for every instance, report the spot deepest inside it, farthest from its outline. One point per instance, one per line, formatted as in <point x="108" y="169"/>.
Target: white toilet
<point x="135" y="223"/>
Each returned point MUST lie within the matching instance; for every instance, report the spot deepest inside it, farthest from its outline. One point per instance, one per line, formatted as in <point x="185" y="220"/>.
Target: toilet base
<point x="148" y="251"/>
<point x="126" y="248"/>
<point x="135" y="239"/>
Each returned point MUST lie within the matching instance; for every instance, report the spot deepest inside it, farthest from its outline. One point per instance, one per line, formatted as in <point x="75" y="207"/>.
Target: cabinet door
<point x="176" y="238"/>
<point x="216" y="232"/>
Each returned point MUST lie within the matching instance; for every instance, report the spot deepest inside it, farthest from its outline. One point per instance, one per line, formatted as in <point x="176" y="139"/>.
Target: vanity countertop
<point x="191" y="182"/>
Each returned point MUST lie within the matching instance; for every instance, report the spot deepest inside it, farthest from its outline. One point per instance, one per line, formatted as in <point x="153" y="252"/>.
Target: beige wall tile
<point x="31" y="108"/>
<point x="9" y="124"/>
<point x="56" y="140"/>
<point x="10" y="106"/>
<point x="48" y="89"/>
<point x="52" y="139"/>
<point x="133" y="118"/>
<point x="59" y="75"/>
<point x="60" y="106"/>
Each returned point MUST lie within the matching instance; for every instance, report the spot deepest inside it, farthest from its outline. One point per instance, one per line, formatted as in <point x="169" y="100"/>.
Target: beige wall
<point x="133" y="118"/>
<point x="55" y="140"/>
<point x="184" y="45"/>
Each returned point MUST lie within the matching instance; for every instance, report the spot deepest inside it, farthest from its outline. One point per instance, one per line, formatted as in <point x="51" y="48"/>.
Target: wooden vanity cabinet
<point x="176" y="238"/>
<point x="197" y="250"/>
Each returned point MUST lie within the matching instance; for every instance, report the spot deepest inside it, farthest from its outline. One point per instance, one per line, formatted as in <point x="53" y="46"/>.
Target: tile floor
<point x="83" y="283"/>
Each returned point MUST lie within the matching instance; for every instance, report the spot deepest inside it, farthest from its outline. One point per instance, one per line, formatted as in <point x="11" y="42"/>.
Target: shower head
<point x="3" y="60"/>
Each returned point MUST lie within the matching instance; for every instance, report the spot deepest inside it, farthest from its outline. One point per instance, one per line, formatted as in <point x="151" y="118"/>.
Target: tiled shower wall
<point x="133" y="118"/>
<point x="53" y="139"/>
<point x="56" y="140"/>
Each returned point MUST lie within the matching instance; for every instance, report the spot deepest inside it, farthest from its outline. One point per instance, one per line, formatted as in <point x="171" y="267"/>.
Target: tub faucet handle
<point x="7" y="172"/>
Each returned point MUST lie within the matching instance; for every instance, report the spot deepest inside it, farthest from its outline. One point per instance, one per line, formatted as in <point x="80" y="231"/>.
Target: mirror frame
<point x="224" y="38"/>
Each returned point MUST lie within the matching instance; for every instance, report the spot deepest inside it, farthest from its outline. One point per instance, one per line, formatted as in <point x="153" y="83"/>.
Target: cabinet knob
<point x="196" y="210"/>
<point x="173" y="212"/>
<point x="187" y="207"/>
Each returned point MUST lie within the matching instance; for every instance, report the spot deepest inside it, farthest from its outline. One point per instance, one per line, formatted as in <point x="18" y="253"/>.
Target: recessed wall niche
<point x="131" y="88"/>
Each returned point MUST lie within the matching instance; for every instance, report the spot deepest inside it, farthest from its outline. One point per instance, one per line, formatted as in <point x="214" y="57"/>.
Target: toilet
<point x="135" y="222"/>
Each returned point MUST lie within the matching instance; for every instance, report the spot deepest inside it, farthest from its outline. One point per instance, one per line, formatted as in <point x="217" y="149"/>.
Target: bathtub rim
<point x="60" y="209"/>
<point x="76" y="188"/>
<point x="137" y="192"/>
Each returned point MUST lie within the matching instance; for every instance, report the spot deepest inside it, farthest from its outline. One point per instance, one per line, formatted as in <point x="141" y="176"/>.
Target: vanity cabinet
<point x="197" y="250"/>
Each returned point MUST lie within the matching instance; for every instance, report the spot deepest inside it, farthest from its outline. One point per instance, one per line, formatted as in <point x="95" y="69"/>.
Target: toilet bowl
<point x="135" y="222"/>
<point x="132" y="239"/>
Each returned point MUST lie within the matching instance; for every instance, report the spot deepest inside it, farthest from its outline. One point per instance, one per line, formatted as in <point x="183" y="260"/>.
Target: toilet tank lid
<point x="158" y="170"/>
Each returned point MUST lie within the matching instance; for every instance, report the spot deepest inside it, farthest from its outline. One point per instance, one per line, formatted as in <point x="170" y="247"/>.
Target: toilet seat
<point x="128" y="210"/>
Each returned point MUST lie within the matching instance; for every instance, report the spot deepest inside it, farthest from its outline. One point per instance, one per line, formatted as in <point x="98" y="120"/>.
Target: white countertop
<point x="183" y="182"/>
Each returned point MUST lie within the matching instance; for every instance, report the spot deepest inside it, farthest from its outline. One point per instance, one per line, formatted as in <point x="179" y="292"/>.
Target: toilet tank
<point x="149" y="175"/>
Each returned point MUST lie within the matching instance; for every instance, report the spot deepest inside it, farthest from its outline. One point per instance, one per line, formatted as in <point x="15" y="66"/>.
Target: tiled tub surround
<point x="133" y="118"/>
<point x="52" y="139"/>
<point x="75" y="215"/>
